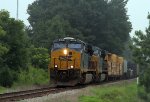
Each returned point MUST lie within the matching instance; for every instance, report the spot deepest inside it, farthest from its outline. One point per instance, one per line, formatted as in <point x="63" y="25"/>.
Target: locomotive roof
<point x="80" y="41"/>
<point x="68" y="39"/>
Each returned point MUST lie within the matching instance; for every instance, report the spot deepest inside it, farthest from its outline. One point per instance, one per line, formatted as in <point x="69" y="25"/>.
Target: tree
<point x="141" y="52"/>
<point x="127" y="53"/>
<point x="3" y="48"/>
<point x="117" y="26"/>
<point x="13" y="43"/>
<point x="99" y="22"/>
<point x="13" y="48"/>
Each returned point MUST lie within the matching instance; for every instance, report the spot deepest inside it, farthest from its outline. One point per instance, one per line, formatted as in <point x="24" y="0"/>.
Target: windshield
<point x="59" y="46"/>
<point x="76" y="47"/>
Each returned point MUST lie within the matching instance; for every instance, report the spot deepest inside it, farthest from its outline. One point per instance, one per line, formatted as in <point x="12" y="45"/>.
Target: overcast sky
<point x="137" y="11"/>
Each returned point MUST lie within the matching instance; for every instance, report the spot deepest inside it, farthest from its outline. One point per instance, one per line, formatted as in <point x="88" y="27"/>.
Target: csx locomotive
<point x="74" y="61"/>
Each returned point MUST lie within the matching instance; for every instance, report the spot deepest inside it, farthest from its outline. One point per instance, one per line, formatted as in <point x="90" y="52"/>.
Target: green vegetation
<point x="17" y="54"/>
<point x="115" y="93"/>
<point x="14" y="43"/>
<point x="24" y="51"/>
<point x="141" y="52"/>
<point x="40" y="57"/>
<point x="2" y="89"/>
<point x="7" y="77"/>
<point x="14" y="53"/>
<point x="33" y="76"/>
<point x="103" y="23"/>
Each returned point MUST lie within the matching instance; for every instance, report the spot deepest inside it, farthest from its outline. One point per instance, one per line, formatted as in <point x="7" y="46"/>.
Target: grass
<point x="34" y="76"/>
<point x="115" y="93"/>
<point x="30" y="79"/>
<point x="2" y="89"/>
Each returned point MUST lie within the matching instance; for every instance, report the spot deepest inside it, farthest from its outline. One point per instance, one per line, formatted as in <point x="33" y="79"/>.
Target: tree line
<point x="103" y="23"/>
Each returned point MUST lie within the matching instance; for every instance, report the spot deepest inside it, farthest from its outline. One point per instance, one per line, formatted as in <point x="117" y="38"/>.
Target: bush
<point x="40" y="57"/>
<point x="34" y="76"/>
<point x="6" y="77"/>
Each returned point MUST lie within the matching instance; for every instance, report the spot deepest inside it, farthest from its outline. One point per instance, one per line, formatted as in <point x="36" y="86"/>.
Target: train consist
<point x="76" y="62"/>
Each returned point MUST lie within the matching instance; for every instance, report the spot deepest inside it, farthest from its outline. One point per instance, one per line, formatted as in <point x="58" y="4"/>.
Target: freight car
<point x="74" y="61"/>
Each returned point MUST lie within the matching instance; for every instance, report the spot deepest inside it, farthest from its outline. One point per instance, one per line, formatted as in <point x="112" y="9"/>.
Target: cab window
<point x="58" y="46"/>
<point x="75" y="46"/>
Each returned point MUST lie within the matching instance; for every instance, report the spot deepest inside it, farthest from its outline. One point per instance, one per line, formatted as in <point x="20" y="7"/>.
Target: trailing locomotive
<point x="74" y="61"/>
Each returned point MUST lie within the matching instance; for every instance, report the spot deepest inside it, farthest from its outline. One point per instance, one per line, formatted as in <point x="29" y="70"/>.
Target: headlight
<point x="71" y="66"/>
<point x="56" y="66"/>
<point x="65" y="52"/>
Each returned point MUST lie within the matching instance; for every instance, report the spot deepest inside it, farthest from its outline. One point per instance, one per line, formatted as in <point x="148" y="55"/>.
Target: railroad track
<point x="16" y="96"/>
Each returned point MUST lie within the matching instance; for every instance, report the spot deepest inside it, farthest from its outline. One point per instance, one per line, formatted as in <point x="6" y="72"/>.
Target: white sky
<point x="137" y="11"/>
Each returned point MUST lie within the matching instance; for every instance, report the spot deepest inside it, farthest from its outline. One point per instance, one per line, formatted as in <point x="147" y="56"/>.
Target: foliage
<point x="6" y="77"/>
<point x="15" y="52"/>
<point x="141" y="93"/>
<point x="100" y="22"/>
<point x="33" y="76"/>
<point x="119" y="93"/>
<point x="40" y="57"/>
<point x="13" y="42"/>
<point x="13" y="48"/>
<point x="127" y="53"/>
<point x="141" y="52"/>
<point x="3" y="48"/>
